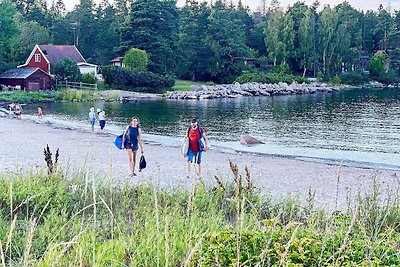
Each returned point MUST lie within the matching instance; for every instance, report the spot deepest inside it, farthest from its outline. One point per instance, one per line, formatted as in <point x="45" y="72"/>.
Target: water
<point x="360" y="126"/>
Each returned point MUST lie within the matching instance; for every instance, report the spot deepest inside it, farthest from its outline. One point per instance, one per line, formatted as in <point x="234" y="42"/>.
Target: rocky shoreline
<point x="250" y="89"/>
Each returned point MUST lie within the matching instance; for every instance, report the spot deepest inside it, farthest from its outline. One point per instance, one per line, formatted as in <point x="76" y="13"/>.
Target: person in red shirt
<point x="194" y="151"/>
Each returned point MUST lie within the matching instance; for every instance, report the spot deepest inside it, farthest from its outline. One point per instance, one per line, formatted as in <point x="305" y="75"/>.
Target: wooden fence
<point x="76" y="85"/>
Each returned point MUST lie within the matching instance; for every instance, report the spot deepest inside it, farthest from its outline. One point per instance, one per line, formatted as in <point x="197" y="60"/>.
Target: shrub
<point x="66" y="70"/>
<point x="136" y="60"/>
<point x="390" y="77"/>
<point x="136" y="81"/>
<point x="89" y="78"/>
<point x="336" y="80"/>
<point x="354" y="78"/>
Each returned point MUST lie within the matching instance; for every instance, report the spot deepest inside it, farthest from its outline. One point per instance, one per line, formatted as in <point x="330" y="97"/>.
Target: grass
<point x="183" y="85"/>
<point x="26" y="96"/>
<point x="54" y="218"/>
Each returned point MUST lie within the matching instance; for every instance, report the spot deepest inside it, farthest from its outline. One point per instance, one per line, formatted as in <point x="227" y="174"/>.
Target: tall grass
<point x="49" y="220"/>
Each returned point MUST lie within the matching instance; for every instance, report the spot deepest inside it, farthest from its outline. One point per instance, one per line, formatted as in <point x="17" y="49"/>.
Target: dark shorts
<point x="133" y="147"/>
<point x="196" y="155"/>
<point x="102" y="124"/>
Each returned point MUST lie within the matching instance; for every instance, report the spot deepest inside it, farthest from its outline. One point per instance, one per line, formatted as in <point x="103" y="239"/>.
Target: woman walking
<point x="92" y="117"/>
<point x="131" y="141"/>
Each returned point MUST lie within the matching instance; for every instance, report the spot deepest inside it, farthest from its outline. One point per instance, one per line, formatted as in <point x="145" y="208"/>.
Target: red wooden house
<point x="27" y="79"/>
<point x="43" y="56"/>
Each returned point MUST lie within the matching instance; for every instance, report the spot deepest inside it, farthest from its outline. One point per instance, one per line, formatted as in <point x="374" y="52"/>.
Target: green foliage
<point x="136" y="60"/>
<point x="144" y="225"/>
<point x="377" y="66"/>
<point x="89" y="78"/>
<point x="76" y="95"/>
<point x="66" y="70"/>
<point x="8" y="32"/>
<point x="354" y="78"/>
<point x="336" y="80"/>
<point x="25" y="96"/>
<point x="270" y="77"/>
<point x="136" y="81"/>
<point x="390" y="77"/>
<point x="153" y="27"/>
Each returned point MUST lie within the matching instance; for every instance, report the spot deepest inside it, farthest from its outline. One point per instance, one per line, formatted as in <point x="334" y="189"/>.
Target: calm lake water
<point x="360" y="126"/>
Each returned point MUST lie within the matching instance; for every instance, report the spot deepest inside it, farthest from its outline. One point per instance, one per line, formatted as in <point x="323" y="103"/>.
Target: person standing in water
<point x="92" y="118"/>
<point x="102" y="119"/>
<point x="39" y="112"/>
<point x="194" y="151"/>
<point x="131" y="141"/>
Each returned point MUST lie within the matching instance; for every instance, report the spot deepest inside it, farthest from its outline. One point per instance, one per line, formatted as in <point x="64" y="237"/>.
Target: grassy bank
<point x="26" y="96"/>
<point x="51" y="220"/>
<point x="184" y="85"/>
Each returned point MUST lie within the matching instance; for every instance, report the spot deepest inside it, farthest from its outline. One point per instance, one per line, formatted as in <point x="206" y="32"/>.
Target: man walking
<point x="198" y="142"/>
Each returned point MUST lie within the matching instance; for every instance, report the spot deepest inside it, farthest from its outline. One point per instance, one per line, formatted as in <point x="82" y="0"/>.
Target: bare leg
<point x="198" y="170"/>
<point x="129" y="151"/>
<point x="188" y="169"/>
<point x="133" y="161"/>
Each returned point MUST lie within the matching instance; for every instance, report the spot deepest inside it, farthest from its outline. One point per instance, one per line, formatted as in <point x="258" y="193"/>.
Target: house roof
<point x="21" y="73"/>
<point x="56" y="53"/>
<point x="117" y="59"/>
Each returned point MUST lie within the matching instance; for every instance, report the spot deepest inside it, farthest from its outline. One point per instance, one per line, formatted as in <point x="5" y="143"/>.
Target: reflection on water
<point x="362" y="120"/>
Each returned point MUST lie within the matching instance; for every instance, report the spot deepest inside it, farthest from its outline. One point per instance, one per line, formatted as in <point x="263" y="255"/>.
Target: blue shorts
<point x="194" y="154"/>
<point x="102" y="124"/>
<point x="133" y="147"/>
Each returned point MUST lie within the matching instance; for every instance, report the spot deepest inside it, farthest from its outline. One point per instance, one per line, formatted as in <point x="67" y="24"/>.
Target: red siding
<point x="42" y="64"/>
<point x="36" y="81"/>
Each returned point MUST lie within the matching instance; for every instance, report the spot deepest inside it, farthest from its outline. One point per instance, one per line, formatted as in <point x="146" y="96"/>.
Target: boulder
<point x="249" y="140"/>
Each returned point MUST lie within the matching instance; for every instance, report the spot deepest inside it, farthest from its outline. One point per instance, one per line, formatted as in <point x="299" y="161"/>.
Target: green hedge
<point x="121" y="78"/>
<point x="269" y="77"/>
<point x="354" y="78"/>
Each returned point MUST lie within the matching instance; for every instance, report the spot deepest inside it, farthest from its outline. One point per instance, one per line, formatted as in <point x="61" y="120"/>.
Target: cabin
<point x="117" y="62"/>
<point x="44" y="56"/>
<point x="26" y="79"/>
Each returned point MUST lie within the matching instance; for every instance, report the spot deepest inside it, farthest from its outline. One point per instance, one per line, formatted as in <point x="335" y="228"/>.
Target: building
<point x="117" y="62"/>
<point x="27" y="79"/>
<point x="44" y="56"/>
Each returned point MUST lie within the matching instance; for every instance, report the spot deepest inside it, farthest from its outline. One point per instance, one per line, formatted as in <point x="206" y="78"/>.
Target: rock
<point x="196" y="88"/>
<point x="249" y="140"/>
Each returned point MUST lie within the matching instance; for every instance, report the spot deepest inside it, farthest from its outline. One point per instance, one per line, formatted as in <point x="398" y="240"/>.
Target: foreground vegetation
<point x="50" y="219"/>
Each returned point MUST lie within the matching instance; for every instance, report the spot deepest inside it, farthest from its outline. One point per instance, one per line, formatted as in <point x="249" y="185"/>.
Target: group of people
<point x="132" y="141"/>
<point x="99" y="115"/>
<point x="16" y="108"/>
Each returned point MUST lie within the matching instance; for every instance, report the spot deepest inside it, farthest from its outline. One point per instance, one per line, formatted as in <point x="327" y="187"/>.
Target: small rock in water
<point x="249" y="140"/>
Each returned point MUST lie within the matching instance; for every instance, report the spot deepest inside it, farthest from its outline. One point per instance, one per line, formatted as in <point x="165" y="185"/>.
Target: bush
<point x="136" y="81"/>
<point x="271" y="77"/>
<point x="389" y="77"/>
<point x="354" y="78"/>
<point x="89" y="78"/>
<point x="336" y="80"/>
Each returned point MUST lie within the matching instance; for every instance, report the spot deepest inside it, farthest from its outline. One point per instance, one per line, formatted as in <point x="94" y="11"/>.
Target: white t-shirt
<point x="102" y="116"/>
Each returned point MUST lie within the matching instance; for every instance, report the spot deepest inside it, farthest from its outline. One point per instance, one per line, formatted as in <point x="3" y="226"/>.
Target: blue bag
<point x="202" y="142"/>
<point x="118" y="141"/>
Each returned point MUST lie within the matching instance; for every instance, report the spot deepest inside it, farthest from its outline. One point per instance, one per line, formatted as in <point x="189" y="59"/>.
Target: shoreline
<point x="23" y="141"/>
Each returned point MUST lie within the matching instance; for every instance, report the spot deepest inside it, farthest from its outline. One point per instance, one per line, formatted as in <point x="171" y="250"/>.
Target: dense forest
<point x="207" y="42"/>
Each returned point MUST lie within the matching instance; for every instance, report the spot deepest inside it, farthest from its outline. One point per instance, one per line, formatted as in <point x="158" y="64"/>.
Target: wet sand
<point x="22" y="143"/>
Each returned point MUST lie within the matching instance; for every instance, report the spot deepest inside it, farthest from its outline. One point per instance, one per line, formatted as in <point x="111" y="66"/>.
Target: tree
<point x="153" y="27"/>
<point x="9" y="31"/>
<point x="136" y="60"/>
<point x="66" y="70"/>
<point x="227" y="38"/>
<point x="305" y="38"/>
<point x="31" y="34"/>
<point x="195" y="57"/>
<point x="377" y="66"/>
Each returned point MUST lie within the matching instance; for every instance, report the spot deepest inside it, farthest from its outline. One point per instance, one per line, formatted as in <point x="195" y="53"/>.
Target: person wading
<point x="131" y="141"/>
<point x="195" y="133"/>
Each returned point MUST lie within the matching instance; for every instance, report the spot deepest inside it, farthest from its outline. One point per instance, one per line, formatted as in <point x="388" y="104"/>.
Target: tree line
<point x="206" y="42"/>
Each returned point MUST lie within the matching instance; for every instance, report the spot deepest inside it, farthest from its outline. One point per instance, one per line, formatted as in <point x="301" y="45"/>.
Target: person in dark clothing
<point x="131" y="141"/>
<point x="194" y="133"/>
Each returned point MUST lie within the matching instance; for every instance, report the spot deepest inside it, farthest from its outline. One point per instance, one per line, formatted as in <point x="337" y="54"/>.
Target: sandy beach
<point x="22" y="143"/>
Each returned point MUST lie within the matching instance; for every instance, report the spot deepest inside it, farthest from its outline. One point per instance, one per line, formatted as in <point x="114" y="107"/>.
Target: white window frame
<point x="38" y="58"/>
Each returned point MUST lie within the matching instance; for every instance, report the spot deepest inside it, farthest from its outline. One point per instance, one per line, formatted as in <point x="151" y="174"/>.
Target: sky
<point x="253" y="4"/>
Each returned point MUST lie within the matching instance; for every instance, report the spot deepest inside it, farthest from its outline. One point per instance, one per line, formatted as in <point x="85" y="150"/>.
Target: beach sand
<point x="22" y="143"/>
